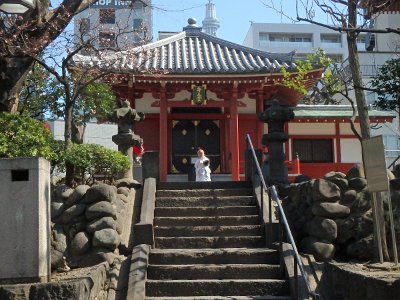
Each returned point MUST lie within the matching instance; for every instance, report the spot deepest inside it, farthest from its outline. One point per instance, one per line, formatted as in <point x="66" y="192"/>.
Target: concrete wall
<point x="94" y="134"/>
<point x="25" y="217"/>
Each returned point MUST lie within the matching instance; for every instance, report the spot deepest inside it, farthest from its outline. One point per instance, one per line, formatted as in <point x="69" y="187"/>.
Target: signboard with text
<point x="111" y="4"/>
<point x="375" y="164"/>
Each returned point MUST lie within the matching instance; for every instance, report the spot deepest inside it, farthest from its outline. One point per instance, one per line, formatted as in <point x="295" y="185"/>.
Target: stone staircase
<point x="209" y="244"/>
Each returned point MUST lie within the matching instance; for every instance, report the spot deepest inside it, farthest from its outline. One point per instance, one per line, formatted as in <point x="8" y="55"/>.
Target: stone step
<point x="188" y="231"/>
<point x="224" y="287"/>
<point x="205" y="192"/>
<point x="205" y="211"/>
<point x="223" y="298"/>
<point x="203" y="185"/>
<point x="209" y="242"/>
<point x="207" y="221"/>
<point x="214" y="256"/>
<point x="205" y="201"/>
<point x="190" y="272"/>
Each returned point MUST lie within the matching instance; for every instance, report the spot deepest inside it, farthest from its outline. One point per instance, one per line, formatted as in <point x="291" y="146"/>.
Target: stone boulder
<point x="342" y="183"/>
<point x="74" y="211"/>
<point x="349" y="197"/>
<point x="301" y="178"/>
<point x="357" y="170"/>
<point x="330" y="210"/>
<point x="107" y="238"/>
<point x="361" y="249"/>
<point x="325" y="191"/>
<point x="99" y="210"/>
<point x="123" y="190"/>
<point x="358" y="183"/>
<point x="80" y="243"/>
<point x="321" y="250"/>
<point x="58" y="246"/>
<point x="100" y="192"/>
<point x="395" y="183"/>
<point x="321" y="228"/>
<point x="77" y="195"/>
<point x="56" y="209"/>
<point x="129" y="183"/>
<point x="103" y="223"/>
<point x="62" y="192"/>
<point x="334" y="175"/>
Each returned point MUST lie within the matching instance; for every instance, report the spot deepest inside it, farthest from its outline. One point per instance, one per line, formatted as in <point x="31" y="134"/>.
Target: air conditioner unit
<point x="370" y="41"/>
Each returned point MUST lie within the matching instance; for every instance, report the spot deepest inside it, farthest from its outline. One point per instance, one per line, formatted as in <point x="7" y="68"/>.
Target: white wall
<point x="95" y="133"/>
<point x="350" y="150"/>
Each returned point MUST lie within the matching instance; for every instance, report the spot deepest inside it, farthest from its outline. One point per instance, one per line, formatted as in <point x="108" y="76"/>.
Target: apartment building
<point x="115" y="23"/>
<point x="303" y="38"/>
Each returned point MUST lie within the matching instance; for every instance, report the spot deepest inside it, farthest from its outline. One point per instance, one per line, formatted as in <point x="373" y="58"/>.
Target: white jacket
<point x="202" y="173"/>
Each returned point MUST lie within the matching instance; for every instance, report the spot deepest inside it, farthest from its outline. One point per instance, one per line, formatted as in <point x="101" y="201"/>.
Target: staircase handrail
<point x="393" y="162"/>
<point x="283" y="219"/>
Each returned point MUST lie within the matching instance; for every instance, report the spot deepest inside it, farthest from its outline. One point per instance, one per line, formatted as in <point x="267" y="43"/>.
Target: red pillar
<point x="163" y="134"/>
<point x="234" y="134"/>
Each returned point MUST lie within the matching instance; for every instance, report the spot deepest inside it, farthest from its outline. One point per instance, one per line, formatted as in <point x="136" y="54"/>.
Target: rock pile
<point x="333" y="214"/>
<point x="89" y="223"/>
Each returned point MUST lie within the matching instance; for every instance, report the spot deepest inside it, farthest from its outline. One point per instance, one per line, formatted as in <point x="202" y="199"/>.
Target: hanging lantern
<point x="16" y="6"/>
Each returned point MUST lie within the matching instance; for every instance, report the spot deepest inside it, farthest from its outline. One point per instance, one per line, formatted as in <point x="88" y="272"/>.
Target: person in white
<point x="203" y="171"/>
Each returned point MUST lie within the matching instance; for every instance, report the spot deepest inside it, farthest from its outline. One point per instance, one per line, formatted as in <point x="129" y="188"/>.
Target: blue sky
<point x="234" y="15"/>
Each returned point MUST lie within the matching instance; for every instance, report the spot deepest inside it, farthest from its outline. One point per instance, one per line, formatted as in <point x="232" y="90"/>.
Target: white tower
<point x="211" y="23"/>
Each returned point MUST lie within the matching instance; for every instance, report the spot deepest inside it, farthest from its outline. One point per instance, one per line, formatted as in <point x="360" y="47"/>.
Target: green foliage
<point x="93" y="159"/>
<point x="96" y="101"/>
<point x="24" y="136"/>
<point x="387" y="85"/>
<point x="42" y="95"/>
<point x="303" y="67"/>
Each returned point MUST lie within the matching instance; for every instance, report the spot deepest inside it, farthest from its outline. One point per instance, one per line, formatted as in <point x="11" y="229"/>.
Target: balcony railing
<point x="369" y="70"/>
<point x="331" y="45"/>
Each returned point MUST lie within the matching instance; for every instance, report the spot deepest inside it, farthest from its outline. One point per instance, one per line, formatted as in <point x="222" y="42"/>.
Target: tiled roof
<point x="190" y="52"/>
<point x="335" y="111"/>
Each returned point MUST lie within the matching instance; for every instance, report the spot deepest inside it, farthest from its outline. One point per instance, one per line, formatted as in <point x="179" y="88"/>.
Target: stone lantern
<point x="274" y="169"/>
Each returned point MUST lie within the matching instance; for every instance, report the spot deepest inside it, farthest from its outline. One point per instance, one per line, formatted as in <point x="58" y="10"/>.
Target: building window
<point x="138" y="7"/>
<point x="107" y="39"/>
<point x="294" y="39"/>
<point x="392" y="145"/>
<point x="107" y="16"/>
<point x="313" y="150"/>
<point x="138" y="24"/>
<point x="331" y="40"/>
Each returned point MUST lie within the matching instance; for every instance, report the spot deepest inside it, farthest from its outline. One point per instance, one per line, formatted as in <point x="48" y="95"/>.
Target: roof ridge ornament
<point x="192" y="26"/>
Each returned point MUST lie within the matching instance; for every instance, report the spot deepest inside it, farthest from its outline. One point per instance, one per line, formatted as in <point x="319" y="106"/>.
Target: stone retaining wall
<point x="333" y="214"/>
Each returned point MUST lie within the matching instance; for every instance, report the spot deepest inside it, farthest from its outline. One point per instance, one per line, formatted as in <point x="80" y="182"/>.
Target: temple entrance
<point x="187" y="136"/>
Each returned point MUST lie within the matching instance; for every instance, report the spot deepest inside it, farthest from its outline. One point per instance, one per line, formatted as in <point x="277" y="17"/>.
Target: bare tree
<point x="344" y="16"/>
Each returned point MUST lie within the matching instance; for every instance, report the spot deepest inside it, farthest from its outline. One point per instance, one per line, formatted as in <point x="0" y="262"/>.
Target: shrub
<point x="23" y="136"/>
<point x="92" y="159"/>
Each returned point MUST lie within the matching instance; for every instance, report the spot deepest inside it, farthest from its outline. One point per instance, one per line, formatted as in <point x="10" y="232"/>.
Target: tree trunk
<point x="13" y="72"/>
<point x="362" y="109"/>
<point x="78" y="131"/>
<point x="69" y="168"/>
<point x="362" y="106"/>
